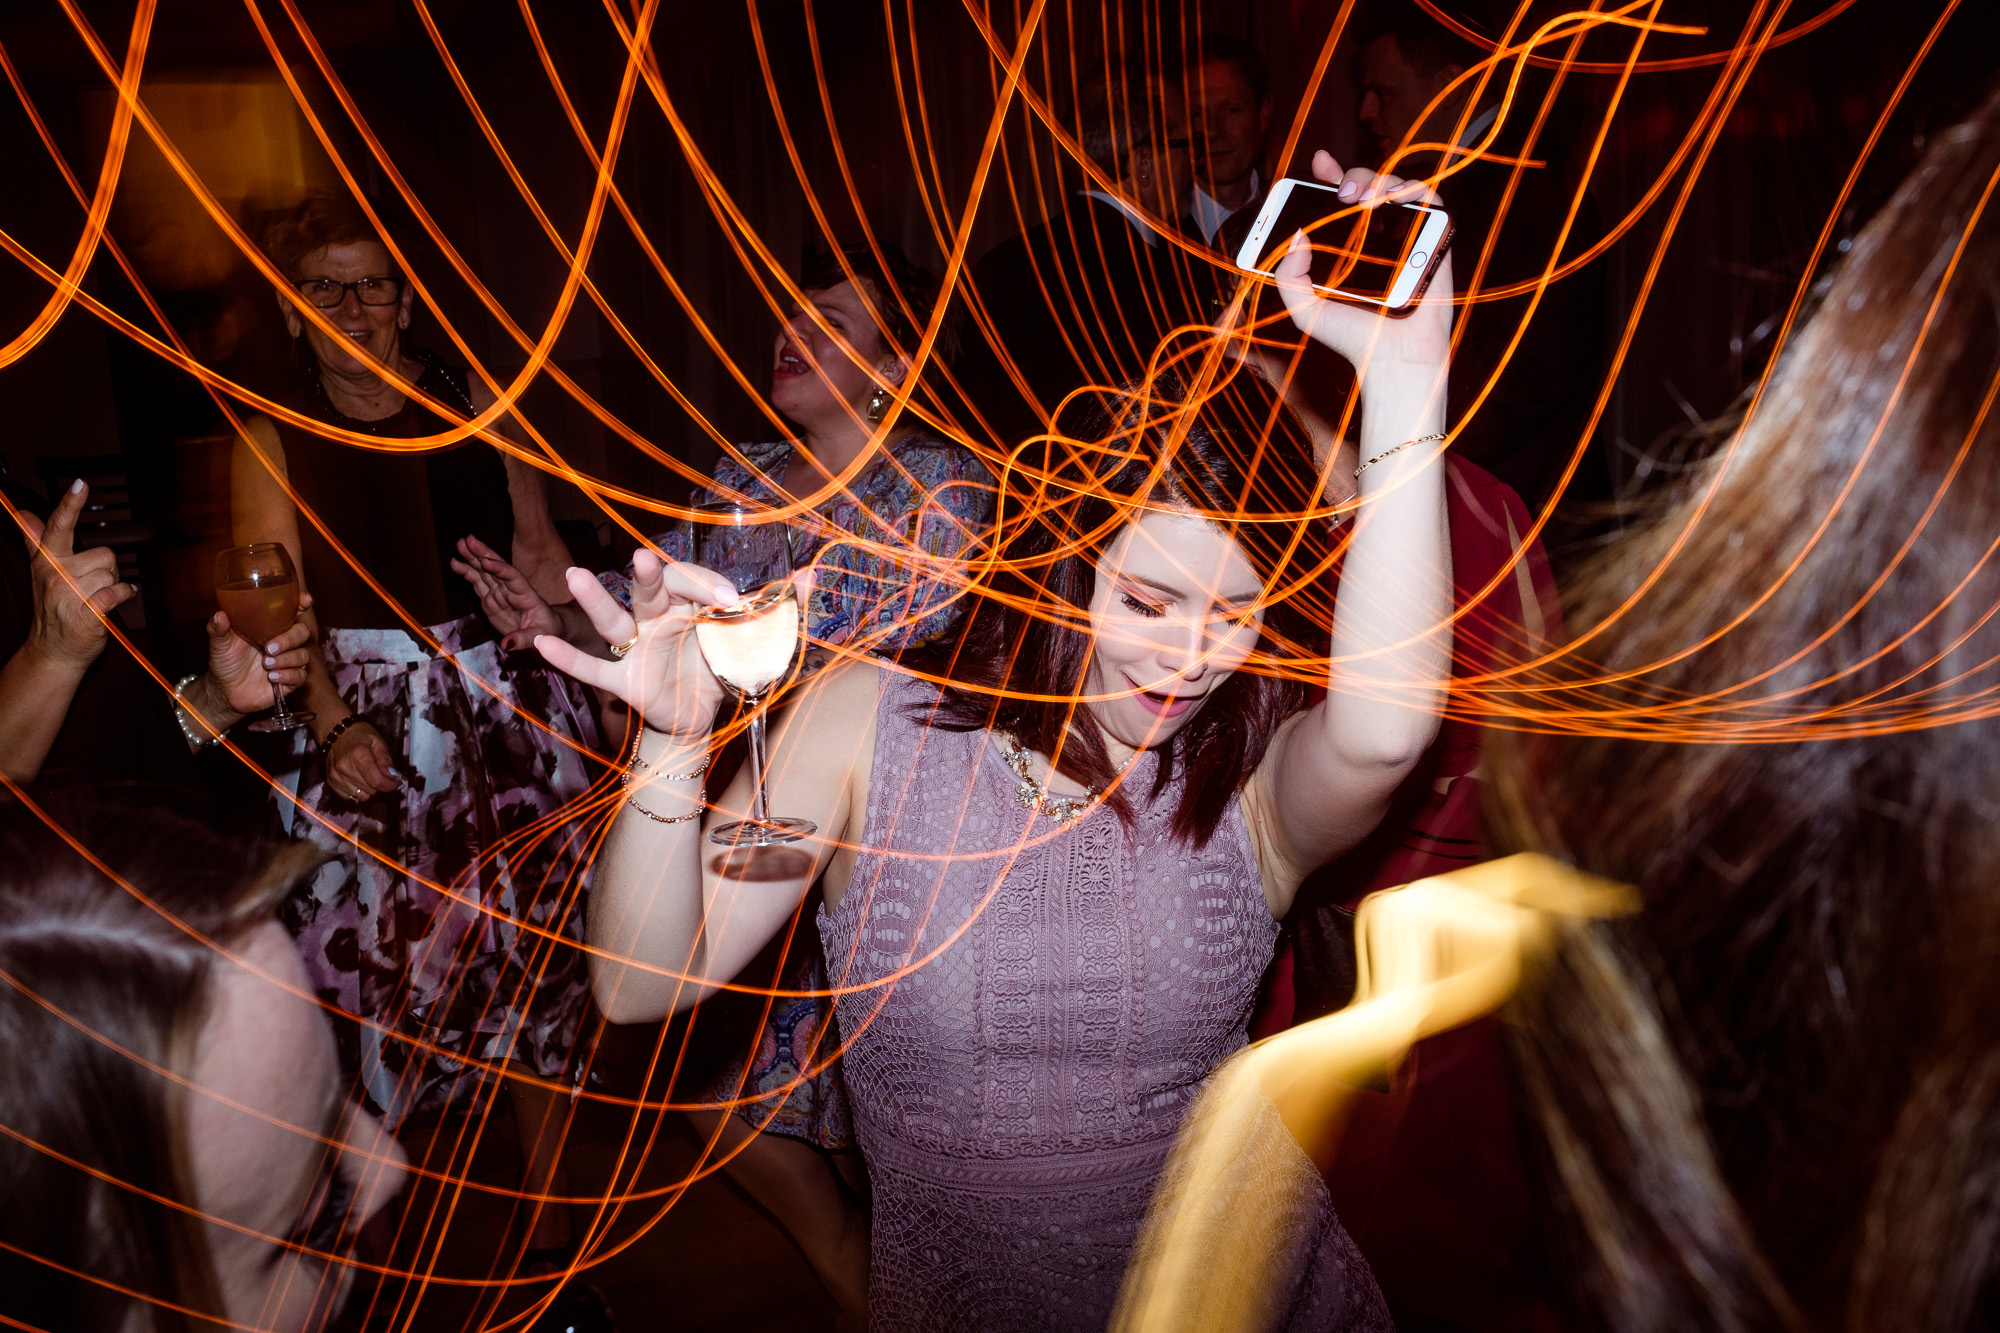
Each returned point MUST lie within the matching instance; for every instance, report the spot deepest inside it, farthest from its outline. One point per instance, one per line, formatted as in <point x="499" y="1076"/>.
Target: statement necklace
<point x="1034" y="796"/>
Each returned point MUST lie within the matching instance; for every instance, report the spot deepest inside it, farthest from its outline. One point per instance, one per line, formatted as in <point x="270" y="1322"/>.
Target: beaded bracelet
<point x="625" y="781"/>
<point x="197" y="740"/>
<point x="333" y="733"/>
<point x="695" y="813"/>
<point x="637" y="762"/>
<point x="1406" y="444"/>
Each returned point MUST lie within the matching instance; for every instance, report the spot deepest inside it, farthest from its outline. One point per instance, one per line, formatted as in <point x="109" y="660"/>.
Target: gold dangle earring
<point x="878" y="405"/>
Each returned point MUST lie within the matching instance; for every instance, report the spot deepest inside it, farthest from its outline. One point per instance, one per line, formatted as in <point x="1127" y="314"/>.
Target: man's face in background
<point x="1229" y="131"/>
<point x="1394" y="93"/>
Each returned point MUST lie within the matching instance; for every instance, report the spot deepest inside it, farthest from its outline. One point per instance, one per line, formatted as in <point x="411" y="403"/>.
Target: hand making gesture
<point x="657" y="667"/>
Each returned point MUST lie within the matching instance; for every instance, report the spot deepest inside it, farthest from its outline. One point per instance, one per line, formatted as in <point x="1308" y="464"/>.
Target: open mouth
<point x="791" y="363"/>
<point x="1162" y="704"/>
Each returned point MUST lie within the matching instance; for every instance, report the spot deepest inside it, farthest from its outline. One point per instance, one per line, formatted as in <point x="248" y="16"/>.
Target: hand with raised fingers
<point x="1373" y="342"/>
<point x="659" y="671"/>
<point x="73" y="591"/>
<point x="244" y="674"/>
<point x="512" y="606"/>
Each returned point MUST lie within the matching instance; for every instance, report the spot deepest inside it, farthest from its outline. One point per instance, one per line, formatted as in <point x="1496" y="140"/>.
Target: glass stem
<point x="278" y="697"/>
<point x="758" y="813"/>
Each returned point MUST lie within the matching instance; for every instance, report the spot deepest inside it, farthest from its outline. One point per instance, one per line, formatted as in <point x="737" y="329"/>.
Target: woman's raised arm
<point x="1329" y="774"/>
<point x="672" y="915"/>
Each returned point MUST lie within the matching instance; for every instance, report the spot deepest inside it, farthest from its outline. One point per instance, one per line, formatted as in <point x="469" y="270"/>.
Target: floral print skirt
<point x="449" y="914"/>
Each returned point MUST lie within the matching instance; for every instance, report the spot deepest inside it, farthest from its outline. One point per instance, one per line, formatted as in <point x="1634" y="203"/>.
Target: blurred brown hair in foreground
<point x="97" y="985"/>
<point x="1772" y="1100"/>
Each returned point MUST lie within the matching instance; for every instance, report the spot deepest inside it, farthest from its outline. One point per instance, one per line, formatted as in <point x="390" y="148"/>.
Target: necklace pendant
<point x="1035" y="796"/>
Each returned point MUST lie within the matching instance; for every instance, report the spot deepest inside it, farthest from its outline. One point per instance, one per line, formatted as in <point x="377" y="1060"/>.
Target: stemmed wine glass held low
<point x="258" y="589"/>
<point x="751" y="646"/>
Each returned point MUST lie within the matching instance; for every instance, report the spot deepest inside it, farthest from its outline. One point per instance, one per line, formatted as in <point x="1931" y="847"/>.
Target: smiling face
<point x="1232" y="126"/>
<point x="377" y="328"/>
<point x="1172" y="618"/>
<point x="813" y="379"/>
<point x="266" y="1092"/>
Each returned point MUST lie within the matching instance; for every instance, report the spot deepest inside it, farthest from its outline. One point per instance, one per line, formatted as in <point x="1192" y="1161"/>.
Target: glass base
<point x="290" y="722"/>
<point x="774" y="832"/>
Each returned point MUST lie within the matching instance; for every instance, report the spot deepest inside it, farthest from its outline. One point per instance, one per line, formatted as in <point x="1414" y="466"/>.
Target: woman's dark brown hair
<point x="1772" y="1100"/>
<point x="902" y="293"/>
<point x="1236" y="456"/>
<point x="95" y="985"/>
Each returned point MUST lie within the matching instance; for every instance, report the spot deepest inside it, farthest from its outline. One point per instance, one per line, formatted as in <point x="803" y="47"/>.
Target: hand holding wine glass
<point x="241" y="674"/>
<point x="244" y="673"/>
<point x="661" y="673"/>
<point x="258" y="589"/>
<point x="751" y="646"/>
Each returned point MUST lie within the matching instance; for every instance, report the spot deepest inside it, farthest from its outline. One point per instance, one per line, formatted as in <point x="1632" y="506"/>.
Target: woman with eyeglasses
<point x="440" y="917"/>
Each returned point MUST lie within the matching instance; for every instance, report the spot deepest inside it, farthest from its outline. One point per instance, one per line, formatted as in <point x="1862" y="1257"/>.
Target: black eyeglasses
<point x="326" y="293"/>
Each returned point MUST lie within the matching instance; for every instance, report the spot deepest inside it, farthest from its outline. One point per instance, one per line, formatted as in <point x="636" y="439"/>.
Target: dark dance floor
<point x="705" y="1259"/>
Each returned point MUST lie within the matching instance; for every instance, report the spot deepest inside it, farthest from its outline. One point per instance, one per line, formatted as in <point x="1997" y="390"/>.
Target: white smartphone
<point x="1383" y="257"/>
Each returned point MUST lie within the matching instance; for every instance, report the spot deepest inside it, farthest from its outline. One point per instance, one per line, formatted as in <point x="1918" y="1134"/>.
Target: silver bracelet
<point x="625" y="781"/>
<point x="1406" y="444"/>
<point x="197" y="739"/>
<point x="636" y="762"/>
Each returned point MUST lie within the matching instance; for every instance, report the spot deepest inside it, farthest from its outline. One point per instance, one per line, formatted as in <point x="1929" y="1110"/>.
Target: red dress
<point x="1428" y="1177"/>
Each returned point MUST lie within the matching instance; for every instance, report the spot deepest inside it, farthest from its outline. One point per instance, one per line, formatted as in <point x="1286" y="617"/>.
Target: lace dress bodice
<point x="1039" y="1006"/>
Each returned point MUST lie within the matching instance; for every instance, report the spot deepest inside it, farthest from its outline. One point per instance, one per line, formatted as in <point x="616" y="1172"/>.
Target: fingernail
<point x="76" y="486"/>
<point x="726" y="593"/>
<point x="271" y="648"/>
<point x="1348" y="189"/>
<point x="270" y="662"/>
<point x="273" y="675"/>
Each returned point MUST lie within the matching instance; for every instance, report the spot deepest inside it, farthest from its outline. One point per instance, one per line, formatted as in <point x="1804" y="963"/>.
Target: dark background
<point x="922" y="82"/>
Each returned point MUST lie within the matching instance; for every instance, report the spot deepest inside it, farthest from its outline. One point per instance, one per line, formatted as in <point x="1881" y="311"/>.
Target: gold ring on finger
<point x="620" y="649"/>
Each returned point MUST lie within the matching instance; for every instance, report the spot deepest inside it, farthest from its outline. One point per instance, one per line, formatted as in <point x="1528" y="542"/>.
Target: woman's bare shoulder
<point x="258" y="443"/>
<point x="841" y="699"/>
<point x="265" y="432"/>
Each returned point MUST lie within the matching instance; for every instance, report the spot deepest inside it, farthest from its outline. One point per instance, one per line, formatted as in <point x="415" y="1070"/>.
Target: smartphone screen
<point x="1382" y="256"/>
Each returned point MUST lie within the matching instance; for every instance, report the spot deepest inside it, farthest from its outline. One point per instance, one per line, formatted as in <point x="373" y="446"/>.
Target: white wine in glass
<point x="751" y="646"/>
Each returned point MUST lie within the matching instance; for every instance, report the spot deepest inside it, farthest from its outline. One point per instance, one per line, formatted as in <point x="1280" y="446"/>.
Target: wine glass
<point x="258" y="590"/>
<point x="750" y="646"/>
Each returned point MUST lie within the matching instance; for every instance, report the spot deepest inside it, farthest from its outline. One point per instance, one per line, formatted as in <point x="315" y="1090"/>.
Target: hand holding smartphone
<point x="1383" y="257"/>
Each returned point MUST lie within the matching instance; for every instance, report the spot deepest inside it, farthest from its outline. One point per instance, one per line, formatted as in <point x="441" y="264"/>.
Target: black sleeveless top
<point x="399" y="515"/>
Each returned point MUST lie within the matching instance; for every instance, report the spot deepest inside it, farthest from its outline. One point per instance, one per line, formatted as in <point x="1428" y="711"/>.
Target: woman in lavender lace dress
<point x="1050" y="888"/>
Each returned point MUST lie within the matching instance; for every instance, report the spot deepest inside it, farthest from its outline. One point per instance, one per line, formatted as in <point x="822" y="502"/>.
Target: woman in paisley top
<point x="1050" y="887"/>
<point x="887" y="548"/>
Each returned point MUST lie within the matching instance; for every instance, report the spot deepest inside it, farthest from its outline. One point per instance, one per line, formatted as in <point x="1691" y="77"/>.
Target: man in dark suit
<point x="1229" y="100"/>
<point x="1087" y="296"/>
<point x="1527" y="427"/>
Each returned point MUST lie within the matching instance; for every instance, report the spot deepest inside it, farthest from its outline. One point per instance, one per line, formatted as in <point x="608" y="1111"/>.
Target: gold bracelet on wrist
<point x="1406" y="444"/>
